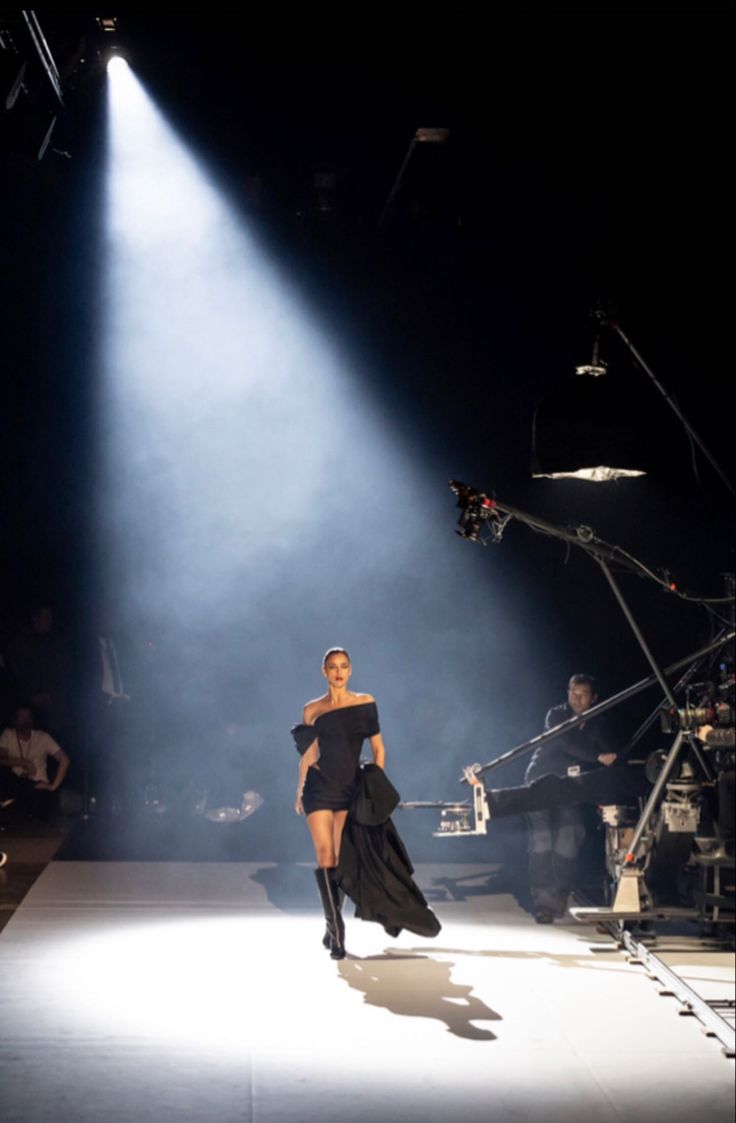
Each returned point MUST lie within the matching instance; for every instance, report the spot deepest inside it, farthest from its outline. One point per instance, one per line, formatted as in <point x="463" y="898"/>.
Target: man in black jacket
<point x="556" y="834"/>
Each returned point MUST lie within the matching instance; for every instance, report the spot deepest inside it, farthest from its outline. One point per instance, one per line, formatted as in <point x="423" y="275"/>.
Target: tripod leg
<point x="653" y="800"/>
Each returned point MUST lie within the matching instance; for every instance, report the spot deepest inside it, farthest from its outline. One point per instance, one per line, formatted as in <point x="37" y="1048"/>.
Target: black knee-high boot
<point x="327" y="938"/>
<point x="329" y="895"/>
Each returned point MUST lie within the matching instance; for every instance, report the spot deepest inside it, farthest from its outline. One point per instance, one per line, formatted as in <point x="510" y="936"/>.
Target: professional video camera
<point x="477" y="509"/>
<point x="714" y="705"/>
<point x="709" y="713"/>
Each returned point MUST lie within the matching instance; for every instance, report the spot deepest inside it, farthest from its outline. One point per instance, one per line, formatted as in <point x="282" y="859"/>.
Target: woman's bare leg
<point x="338" y="827"/>
<point x="322" y="829"/>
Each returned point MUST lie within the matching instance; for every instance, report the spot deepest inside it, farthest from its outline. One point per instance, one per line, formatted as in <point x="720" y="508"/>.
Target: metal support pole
<point x="649" y="721"/>
<point x="397" y="182"/>
<point x="637" y="632"/>
<point x="654" y="795"/>
<point x="652" y="662"/>
<point x="44" y="54"/>
<point x="670" y="402"/>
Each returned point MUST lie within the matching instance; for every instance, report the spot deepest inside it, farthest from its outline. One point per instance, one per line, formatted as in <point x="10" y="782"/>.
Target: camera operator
<point x="556" y="833"/>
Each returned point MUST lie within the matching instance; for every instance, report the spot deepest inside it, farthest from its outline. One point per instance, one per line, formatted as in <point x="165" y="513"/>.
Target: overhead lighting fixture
<point x="431" y="136"/>
<point x="422" y="135"/>
<point x="585" y="429"/>
<point x="108" y="24"/>
<point x="592" y="428"/>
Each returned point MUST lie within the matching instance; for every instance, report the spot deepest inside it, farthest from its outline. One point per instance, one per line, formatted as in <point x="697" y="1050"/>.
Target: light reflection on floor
<point x="147" y="985"/>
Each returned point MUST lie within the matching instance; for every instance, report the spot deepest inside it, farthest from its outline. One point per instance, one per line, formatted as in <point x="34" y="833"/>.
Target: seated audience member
<point x="24" y="778"/>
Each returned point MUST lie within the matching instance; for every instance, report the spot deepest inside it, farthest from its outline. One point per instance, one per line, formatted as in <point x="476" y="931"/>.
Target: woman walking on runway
<point x="378" y="874"/>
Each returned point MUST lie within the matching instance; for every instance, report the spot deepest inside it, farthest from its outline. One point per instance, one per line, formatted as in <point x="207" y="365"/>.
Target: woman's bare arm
<point x="310" y="757"/>
<point x="378" y="749"/>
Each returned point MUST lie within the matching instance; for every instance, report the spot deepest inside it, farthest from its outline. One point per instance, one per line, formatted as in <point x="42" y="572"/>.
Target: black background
<point x="587" y="160"/>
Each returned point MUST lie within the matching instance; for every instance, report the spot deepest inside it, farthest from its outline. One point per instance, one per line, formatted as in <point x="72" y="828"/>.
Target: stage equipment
<point x="422" y="137"/>
<point x="458" y="820"/>
<point x="12" y="72"/>
<point x="671" y="807"/>
<point x="670" y="830"/>
<point x="606" y="320"/>
<point x="586" y="429"/>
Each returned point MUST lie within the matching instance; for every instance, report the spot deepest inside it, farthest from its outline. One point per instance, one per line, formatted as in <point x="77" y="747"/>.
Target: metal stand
<point x="628" y="893"/>
<point x="628" y="899"/>
<point x="477" y="509"/>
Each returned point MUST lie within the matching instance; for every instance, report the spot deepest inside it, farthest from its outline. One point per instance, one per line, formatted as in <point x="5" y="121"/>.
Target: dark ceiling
<point x="587" y="158"/>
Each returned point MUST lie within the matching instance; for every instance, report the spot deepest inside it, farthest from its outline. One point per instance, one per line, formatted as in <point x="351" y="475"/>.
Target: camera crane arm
<point x="478" y="508"/>
<point x="596" y="711"/>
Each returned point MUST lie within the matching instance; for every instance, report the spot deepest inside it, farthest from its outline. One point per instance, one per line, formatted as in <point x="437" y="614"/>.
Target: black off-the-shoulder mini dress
<point x="374" y="868"/>
<point x="331" y="784"/>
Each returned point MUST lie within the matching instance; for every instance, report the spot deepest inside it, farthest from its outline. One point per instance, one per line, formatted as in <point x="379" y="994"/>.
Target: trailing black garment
<point x="374" y="868"/>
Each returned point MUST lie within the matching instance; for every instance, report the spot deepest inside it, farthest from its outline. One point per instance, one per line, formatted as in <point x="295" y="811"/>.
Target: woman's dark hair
<point x="335" y="651"/>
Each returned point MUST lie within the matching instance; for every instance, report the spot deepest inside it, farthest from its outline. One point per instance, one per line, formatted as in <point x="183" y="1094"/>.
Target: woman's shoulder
<point x="318" y="706"/>
<point x="312" y="709"/>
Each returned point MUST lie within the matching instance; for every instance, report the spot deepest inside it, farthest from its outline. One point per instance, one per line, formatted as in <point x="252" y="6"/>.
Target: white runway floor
<point x="158" y="991"/>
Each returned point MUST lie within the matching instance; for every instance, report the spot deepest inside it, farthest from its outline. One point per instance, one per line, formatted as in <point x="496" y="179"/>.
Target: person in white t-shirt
<point x="24" y="777"/>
